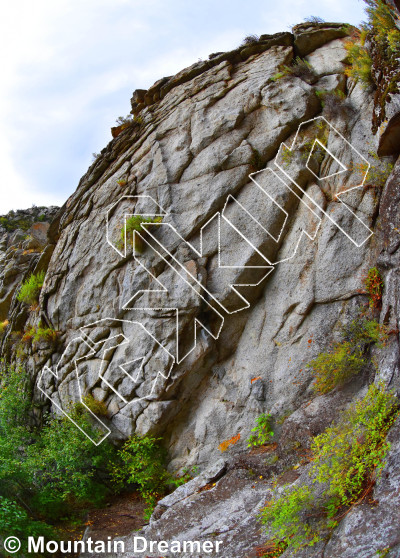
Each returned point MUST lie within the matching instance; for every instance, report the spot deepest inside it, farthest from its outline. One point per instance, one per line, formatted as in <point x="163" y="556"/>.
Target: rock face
<point x="200" y="358"/>
<point x="23" y="241"/>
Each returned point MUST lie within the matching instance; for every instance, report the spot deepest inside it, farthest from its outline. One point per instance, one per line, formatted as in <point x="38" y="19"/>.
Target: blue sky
<point x="69" y="68"/>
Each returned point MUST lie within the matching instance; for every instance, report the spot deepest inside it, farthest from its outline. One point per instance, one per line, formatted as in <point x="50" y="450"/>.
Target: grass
<point x="30" y="289"/>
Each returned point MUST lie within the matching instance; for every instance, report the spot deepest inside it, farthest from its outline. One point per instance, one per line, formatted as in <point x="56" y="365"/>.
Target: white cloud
<point x="71" y="66"/>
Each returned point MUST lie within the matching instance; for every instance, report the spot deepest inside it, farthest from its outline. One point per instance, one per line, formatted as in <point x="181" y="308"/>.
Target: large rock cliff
<point x="203" y="159"/>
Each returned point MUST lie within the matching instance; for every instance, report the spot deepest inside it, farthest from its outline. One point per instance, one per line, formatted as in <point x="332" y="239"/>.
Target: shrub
<point x="378" y="171"/>
<point x="374" y="286"/>
<point x="384" y="36"/>
<point x="350" y="451"/>
<point x="56" y="472"/>
<point x="30" y="289"/>
<point x="263" y="431"/>
<point x="284" y="516"/>
<point x="382" y="26"/>
<point x="361" y="332"/>
<point x="132" y="224"/>
<point x="52" y="472"/>
<point x="65" y="469"/>
<point x="124" y="120"/>
<point x="250" y="40"/>
<point x="14" y="519"/>
<point x="300" y="68"/>
<point x="35" y="334"/>
<point x="97" y="407"/>
<point x="143" y="464"/>
<point x="314" y="19"/>
<point x="334" y="367"/>
<point x="333" y="102"/>
<point x="346" y="458"/>
<point x="360" y="61"/>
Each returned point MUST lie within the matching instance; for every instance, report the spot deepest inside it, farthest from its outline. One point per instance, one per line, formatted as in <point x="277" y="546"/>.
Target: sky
<point x="69" y="68"/>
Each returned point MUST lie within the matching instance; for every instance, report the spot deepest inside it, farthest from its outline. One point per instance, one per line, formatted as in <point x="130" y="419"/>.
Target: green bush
<point x="132" y="224"/>
<point x="360" y="61"/>
<point x="351" y="450"/>
<point x="336" y="366"/>
<point x="143" y="464"/>
<point x="14" y="519"/>
<point x="30" y="289"/>
<point x="263" y="431"/>
<point x="56" y="470"/>
<point x="345" y="458"/>
<point x="66" y="471"/>
<point x="346" y="358"/>
<point x="285" y="517"/>
<point x="97" y="407"/>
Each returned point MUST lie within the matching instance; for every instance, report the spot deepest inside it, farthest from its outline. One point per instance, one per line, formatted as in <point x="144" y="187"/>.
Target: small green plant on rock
<point x="132" y="224"/>
<point x="97" y="407"/>
<point x="334" y="367"/>
<point x="30" y="289"/>
<point x="346" y="358"/>
<point x="374" y="286"/>
<point x="360" y="60"/>
<point x="263" y="431"/>
<point x="37" y="334"/>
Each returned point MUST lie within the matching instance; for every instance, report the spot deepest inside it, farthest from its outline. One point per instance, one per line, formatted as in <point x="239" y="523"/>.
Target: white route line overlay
<point x="85" y="339"/>
<point x="182" y="270"/>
